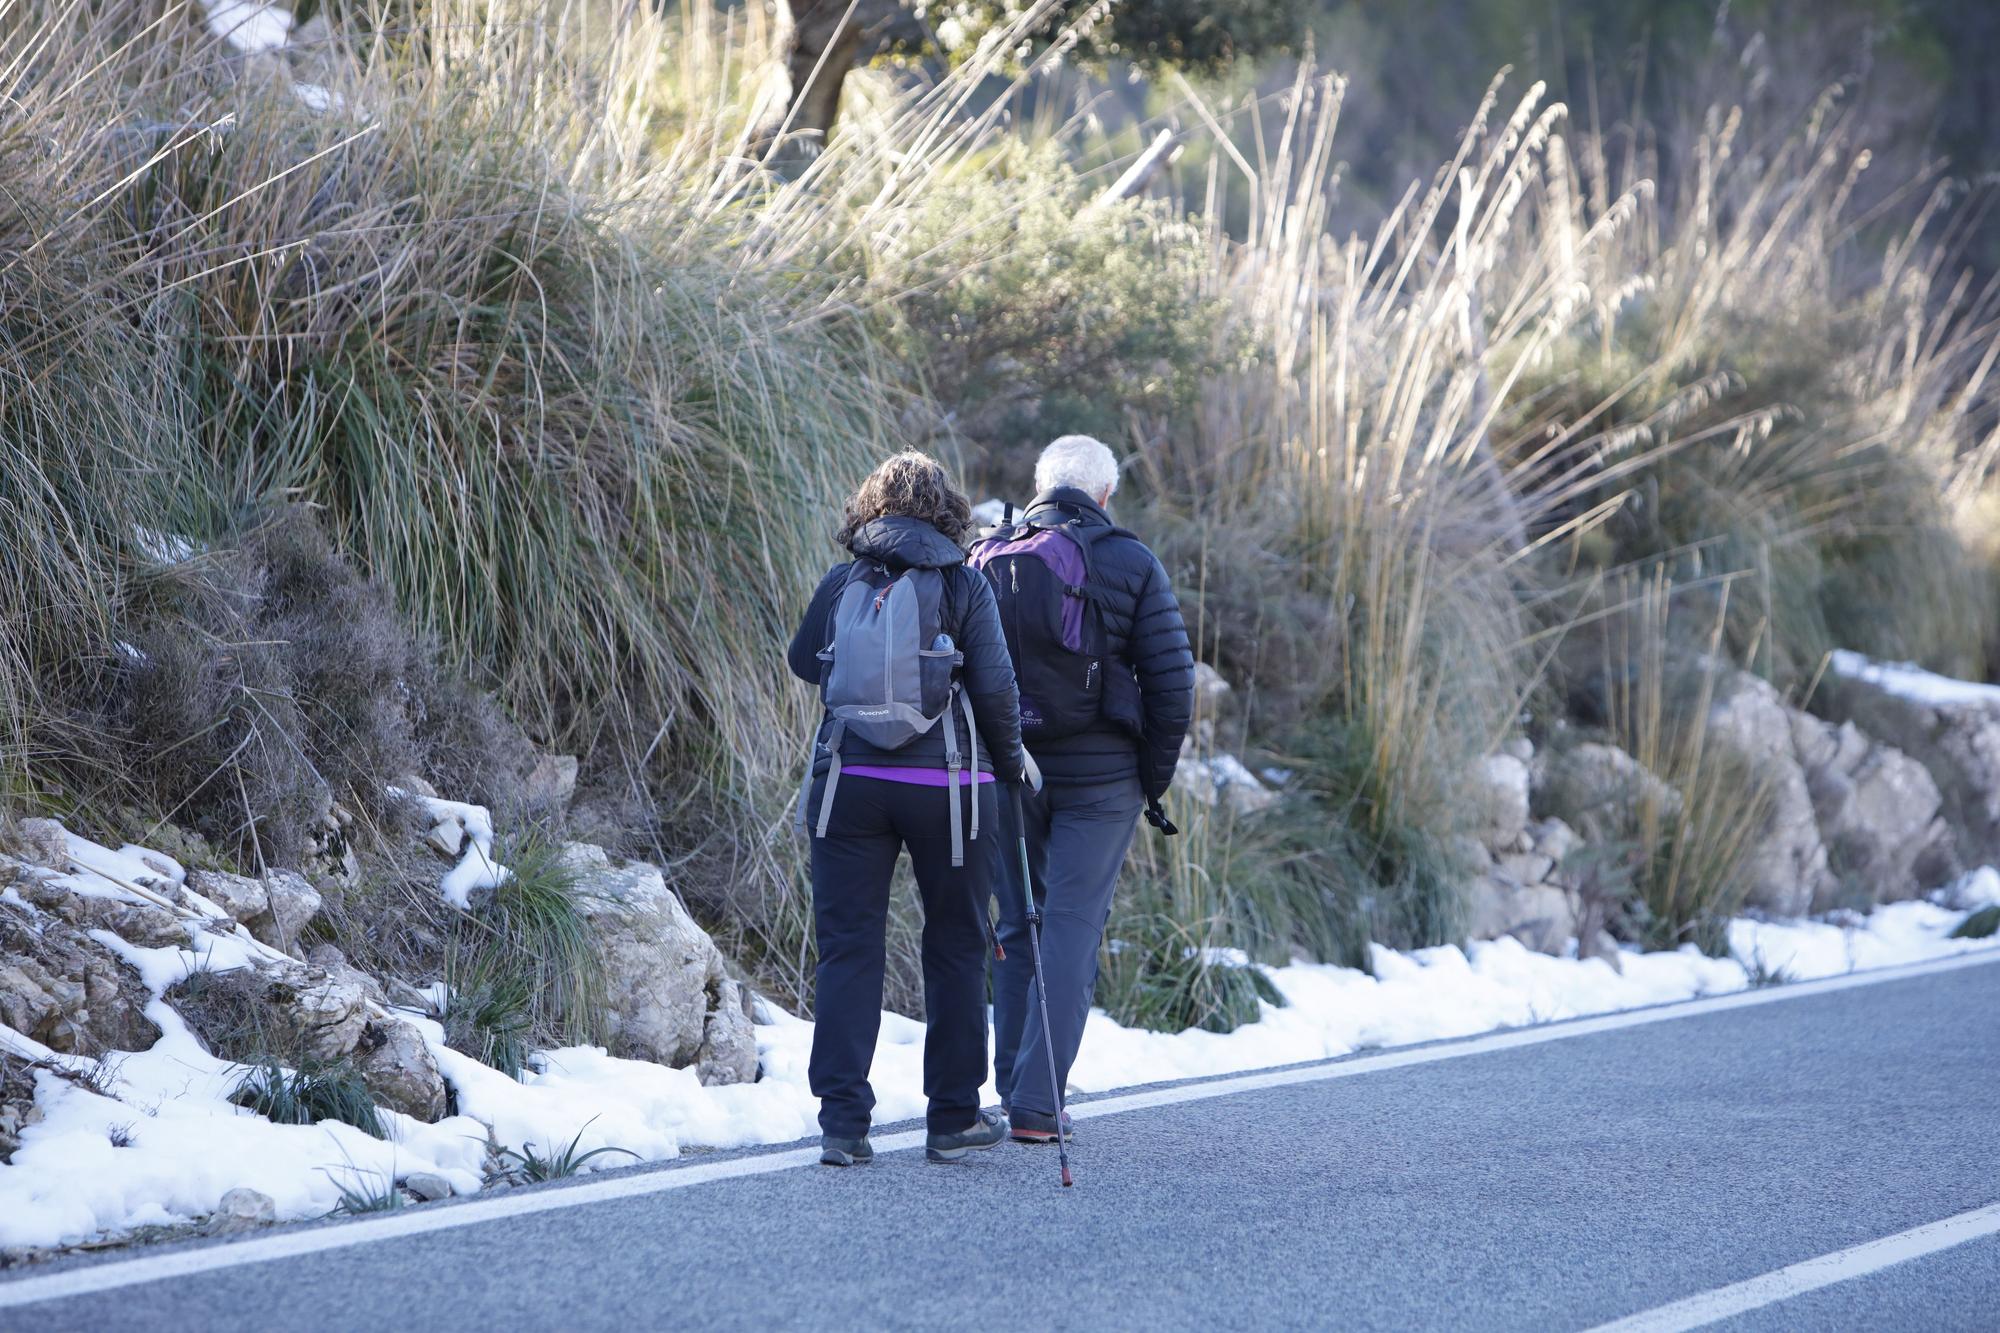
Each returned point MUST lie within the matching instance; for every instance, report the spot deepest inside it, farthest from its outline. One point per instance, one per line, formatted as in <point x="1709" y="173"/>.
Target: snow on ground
<point x="188" y="1144"/>
<point x="1910" y="681"/>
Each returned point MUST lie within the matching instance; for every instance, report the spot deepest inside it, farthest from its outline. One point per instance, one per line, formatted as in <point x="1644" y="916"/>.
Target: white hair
<point x="1079" y="461"/>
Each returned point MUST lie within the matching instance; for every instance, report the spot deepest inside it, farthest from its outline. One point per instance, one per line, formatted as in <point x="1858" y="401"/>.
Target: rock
<point x="1498" y="795"/>
<point x="552" y="781"/>
<point x="447" y="837"/>
<point x="1786" y="869"/>
<point x="427" y="1186"/>
<point x="142" y="924"/>
<point x="665" y="981"/>
<point x="67" y="990"/>
<point x="399" y="1069"/>
<point x="243" y="898"/>
<point x="329" y="1016"/>
<point x="729" y="1042"/>
<point x="1540" y="916"/>
<point x="42" y="842"/>
<point x="1879" y="813"/>
<point x="1518" y="747"/>
<point x="1553" y="839"/>
<point x="412" y="785"/>
<point x="294" y="902"/>
<point x="1593" y="781"/>
<point x="319" y="1016"/>
<point x="242" y="1210"/>
<point x="1523" y="867"/>
<point x="1210" y="690"/>
<point x="1956" y="739"/>
<point x="333" y="962"/>
<point x="583" y="856"/>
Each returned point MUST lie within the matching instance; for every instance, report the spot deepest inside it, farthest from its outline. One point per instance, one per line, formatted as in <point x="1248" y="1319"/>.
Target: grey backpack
<point x="890" y="673"/>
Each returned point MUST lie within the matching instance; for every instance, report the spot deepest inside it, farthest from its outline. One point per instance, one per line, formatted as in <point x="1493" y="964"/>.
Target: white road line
<point x="1708" y="1307"/>
<point x="445" y="1217"/>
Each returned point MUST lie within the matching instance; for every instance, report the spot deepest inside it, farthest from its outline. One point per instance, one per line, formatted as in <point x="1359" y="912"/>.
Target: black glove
<point x="1157" y="817"/>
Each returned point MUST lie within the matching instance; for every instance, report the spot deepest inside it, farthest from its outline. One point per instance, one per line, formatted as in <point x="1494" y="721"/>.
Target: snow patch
<point x="249" y="26"/>
<point x="1906" y="680"/>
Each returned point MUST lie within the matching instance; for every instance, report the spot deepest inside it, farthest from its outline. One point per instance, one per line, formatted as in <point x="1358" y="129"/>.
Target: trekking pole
<point x="1041" y="987"/>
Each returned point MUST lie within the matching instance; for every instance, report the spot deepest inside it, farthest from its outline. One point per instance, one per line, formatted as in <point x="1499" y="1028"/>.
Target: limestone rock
<point x="1499" y="796"/>
<point x="1553" y="839"/>
<point x="244" y="898"/>
<point x="1523" y="867"/>
<point x="138" y="923"/>
<point x="1786" y="868"/>
<point x="1955" y="737"/>
<point x="668" y="995"/>
<point x="427" y="1186"/>
<point x="399" y="1069"/>
<point x="552" y="781"/>
<point x="1539" y="915"/>
<point x="294" y="902"/>
<point x="447" y="837"/>
<point x="67" y="990"/>
<point x="1592" y="780"/>
<point x="728" y="1042"/>
<point x="242" y="1210"/>
<point x="42" y="842"/>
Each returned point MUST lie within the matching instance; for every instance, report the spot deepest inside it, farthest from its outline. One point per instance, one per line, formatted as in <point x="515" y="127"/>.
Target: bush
<point x="309" y="1095"/>
<point x="1033" y="314"/>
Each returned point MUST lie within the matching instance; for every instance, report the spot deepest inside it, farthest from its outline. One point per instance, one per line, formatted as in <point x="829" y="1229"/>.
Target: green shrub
<point x="1979" y="925"/>
<point x="1033" y="315"/>
<point x="308" y="1095"/>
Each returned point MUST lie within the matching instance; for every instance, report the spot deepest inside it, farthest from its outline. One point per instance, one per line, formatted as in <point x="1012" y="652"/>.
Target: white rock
<point x="428" y="1186"/>
<point x="1541" y="917"/>
<point x="448" y="837"/>
<point x="294" y="902"/>
<point x="242" y="1209"/>
<point x="1498" y="796"/>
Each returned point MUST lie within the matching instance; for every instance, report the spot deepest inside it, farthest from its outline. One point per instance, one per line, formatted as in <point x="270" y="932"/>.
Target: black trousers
<point x="873" y="820"/>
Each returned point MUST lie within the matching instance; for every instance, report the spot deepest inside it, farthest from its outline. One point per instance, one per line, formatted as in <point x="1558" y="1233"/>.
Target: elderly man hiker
<point x="1107" y="685"/>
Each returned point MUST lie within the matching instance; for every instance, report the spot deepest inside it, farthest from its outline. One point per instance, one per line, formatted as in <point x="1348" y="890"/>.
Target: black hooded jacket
<point x="1144" y="631"/>
<point x="969" y="616"/>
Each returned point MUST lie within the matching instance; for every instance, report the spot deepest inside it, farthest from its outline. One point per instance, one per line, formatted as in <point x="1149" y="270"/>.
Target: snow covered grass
<point x="188" y="1144"/>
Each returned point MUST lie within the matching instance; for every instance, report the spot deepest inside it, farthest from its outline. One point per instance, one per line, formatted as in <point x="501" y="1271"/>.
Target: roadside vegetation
<point x="490" y="400"/>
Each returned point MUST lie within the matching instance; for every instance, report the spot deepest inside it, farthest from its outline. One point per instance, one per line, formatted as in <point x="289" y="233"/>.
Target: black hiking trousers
<point x="873" y="820"/>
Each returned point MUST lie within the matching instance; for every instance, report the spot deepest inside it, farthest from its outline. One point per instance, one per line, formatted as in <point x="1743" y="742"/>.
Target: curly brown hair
<point x="908" y="485"/>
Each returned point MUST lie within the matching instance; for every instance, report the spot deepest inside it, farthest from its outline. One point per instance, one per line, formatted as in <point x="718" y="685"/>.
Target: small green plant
<point x="1762" y="974"/>
<point x="308" y="1095"/>
<point x="365" y="1192"/>
<point x="1155" y="976"/>
<point x="532" y="1166"/>
<point x="1982" y="924"/>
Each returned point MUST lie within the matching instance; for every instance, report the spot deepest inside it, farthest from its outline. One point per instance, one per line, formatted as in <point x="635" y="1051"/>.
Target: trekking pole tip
<point x="1068" y="1180"/>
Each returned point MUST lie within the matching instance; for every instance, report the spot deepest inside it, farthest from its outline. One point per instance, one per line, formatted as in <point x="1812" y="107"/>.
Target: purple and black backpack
<point x="1040" y="574"/>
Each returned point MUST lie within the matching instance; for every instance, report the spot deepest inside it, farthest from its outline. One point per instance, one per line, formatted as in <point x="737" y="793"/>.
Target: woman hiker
<point x="920" y="719"/>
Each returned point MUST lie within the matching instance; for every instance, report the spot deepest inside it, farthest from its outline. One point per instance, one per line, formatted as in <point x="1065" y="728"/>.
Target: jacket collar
<point x="1072" y="499"/>
<point x="909" y="542"/>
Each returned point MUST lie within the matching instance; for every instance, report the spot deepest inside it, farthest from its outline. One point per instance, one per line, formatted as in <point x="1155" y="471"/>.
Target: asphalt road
<point x="1551" y="1186"/>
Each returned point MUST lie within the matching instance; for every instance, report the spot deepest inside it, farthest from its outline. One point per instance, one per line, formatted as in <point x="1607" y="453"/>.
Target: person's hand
<point x="1031" y="772"/>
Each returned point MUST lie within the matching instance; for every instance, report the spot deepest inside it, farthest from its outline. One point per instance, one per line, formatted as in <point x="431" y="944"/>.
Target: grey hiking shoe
<point x="1034" y="1127"/>
<point x="837" y="1151"/>
<point x="987" y="1130"/>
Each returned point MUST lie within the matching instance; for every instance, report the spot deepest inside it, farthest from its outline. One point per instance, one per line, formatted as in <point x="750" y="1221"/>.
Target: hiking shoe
<point x="987" y="1130"/>
<point x="835" y="1150"/>
<point x="1034" y="1127"/>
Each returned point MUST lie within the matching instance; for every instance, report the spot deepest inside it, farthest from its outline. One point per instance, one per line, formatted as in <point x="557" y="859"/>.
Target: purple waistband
<point x="917" y="777"/>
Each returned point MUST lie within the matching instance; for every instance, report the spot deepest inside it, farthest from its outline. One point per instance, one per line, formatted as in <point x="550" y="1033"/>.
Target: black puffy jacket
<point x="1144" y="631"/>
<point x="969" y="616"/>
